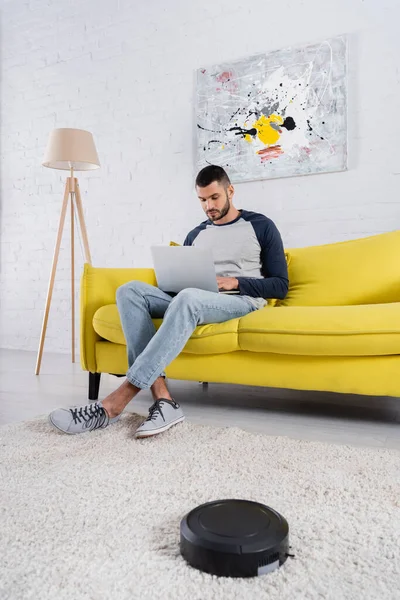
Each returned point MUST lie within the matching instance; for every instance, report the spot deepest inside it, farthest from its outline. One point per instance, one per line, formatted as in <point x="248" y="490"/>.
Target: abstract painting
<point x="278" y="114"/>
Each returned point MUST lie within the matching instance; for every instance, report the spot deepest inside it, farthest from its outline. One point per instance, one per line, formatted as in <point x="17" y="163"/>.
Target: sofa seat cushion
<point x="365" y="330"/>
<point x="216" y="338"/>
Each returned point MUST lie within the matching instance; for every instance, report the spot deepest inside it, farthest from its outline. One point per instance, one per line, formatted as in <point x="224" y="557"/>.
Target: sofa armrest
<point x="98" y="288"/>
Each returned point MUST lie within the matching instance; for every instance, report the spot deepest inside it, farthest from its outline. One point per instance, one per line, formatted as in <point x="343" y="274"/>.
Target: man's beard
<point x="224" y="211"/>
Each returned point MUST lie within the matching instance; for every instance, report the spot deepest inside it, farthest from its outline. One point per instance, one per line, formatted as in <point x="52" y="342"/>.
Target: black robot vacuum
<point x="234" y="538"/>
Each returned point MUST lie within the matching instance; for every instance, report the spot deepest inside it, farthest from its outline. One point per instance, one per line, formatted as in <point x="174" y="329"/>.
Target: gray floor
<point x="335" y="418"/>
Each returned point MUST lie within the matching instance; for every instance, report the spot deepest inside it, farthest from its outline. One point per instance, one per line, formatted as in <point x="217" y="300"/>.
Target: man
<point x="249" y="257"/>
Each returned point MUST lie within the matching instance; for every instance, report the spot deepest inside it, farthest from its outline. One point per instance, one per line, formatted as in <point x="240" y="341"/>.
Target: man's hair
<point x="210" y="174"/>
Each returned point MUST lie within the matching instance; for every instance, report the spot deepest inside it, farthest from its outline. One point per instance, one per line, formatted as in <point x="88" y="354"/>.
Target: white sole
<point x="144" y="434"/>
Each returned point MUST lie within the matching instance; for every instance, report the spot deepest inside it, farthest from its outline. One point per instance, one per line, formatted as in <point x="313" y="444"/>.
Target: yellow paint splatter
<point x="265" y="133"/>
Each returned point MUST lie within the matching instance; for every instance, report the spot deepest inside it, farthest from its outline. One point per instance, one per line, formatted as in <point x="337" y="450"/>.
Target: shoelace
<point x="93" y="415"/>
<point x="154" y="410"/>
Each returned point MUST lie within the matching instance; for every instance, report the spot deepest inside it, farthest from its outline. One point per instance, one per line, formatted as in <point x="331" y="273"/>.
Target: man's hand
<point x="227" y="283"/>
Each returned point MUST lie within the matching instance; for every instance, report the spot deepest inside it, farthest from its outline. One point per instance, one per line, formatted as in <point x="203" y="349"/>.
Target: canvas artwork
<point x="277" y="114"/>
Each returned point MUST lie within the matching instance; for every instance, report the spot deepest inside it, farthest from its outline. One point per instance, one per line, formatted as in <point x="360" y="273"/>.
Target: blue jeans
<point x="149" y="352"/>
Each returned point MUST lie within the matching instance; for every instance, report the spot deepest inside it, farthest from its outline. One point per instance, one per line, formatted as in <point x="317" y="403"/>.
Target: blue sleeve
<point x="192" y="235"/>
<point x="273" y="263"/>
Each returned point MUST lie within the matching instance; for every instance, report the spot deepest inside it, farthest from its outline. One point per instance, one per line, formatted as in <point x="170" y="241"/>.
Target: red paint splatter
<point x="225" y="76"/>
<point x="228" y="82"/>
<point x="270" y="152"/>
<point x="203" y="71"/>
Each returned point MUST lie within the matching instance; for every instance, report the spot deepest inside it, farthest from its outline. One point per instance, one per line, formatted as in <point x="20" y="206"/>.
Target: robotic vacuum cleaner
<point x="234" y="538"/>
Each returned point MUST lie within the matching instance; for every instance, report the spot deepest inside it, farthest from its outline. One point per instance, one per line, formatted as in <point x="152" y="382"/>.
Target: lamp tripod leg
<point x="78" y="201"/>
<point x="72" y="277"/>
<point x="52" y="277"/>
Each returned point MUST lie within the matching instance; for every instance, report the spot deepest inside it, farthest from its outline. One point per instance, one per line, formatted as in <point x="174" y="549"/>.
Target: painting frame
<point x="294" y="122"/>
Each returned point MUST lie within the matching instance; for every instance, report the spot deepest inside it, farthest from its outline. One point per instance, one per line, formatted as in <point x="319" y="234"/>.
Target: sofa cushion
<point x="216" y="338"/>
<point x="363" y="271"/>
<point x="371" y="330"/>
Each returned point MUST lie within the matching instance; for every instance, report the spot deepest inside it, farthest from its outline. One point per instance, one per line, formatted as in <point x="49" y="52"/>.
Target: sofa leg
<point x="205" y="385"/>
<point x="94" y="385"/>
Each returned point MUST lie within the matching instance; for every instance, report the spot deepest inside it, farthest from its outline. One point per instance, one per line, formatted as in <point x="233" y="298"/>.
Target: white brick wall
<point x="125" y="71"/>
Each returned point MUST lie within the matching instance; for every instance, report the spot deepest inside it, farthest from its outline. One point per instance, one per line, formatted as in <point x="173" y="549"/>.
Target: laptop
<point x="180" y="267"/>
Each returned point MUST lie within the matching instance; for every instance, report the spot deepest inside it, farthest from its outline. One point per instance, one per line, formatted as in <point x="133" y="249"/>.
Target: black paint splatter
<point x="235" y="113"/>
<point x="289" y="123"/>
<point x="244" y="132"/>
<point x="309" y="126"/>
<point x="205" y="129"/>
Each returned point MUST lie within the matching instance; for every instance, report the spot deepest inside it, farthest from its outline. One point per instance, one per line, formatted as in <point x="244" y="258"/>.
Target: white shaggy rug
<point x="96" y="516"/>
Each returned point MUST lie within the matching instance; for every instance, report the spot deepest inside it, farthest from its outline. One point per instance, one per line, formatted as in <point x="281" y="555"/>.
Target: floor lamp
<point x="69" y="150"/>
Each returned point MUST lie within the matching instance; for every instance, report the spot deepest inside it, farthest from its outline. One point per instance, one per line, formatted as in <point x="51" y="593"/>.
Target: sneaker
<point x="163" y="414"/>
<point x="81" y="418"/>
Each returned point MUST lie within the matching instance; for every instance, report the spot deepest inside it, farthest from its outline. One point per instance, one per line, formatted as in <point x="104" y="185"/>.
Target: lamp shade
<point x="71" y="148"/>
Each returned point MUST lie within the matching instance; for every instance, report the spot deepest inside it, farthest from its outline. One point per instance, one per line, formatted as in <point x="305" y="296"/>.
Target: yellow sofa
<point x="337" y="330"/>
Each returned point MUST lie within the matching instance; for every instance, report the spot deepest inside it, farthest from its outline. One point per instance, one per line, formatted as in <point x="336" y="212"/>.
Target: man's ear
<point x="231" y="190"/>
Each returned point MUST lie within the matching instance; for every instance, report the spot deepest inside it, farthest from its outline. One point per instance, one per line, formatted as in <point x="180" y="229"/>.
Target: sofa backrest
<point x="361" y="271"/>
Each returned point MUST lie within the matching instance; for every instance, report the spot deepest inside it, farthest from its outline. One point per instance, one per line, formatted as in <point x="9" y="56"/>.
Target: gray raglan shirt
<point x="249" y="248"/>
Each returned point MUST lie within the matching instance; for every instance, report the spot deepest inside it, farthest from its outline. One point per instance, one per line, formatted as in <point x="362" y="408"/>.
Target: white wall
<point x="125" y="71"/>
